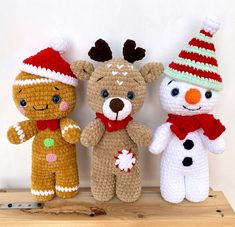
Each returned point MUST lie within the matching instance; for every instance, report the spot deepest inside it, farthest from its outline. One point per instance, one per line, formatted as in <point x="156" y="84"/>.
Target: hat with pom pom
<point x="49" y="64"/>
<point x="197" y="62"/>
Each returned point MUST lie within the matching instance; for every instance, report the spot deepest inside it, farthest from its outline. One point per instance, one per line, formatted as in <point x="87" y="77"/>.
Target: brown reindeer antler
<point x="131" y="53"/>
<point x="101" y="51"/>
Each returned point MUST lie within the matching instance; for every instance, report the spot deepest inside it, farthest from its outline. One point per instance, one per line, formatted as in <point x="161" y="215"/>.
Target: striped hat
<point x="197" y="62"/>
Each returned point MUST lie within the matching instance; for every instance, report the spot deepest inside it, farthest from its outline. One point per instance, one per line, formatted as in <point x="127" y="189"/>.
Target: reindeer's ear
<point x="82" y="69"/>
<point x="151" y="71"/>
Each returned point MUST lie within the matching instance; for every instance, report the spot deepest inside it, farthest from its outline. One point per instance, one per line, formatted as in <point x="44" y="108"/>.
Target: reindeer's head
<point x="116" y="88"/>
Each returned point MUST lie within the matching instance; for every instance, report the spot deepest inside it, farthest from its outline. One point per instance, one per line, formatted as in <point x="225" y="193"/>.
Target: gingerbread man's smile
<point x="42" y="109"/>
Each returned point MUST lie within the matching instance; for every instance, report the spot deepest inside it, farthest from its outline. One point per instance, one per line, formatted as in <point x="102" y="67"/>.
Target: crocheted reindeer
<point x="116" y="90"/>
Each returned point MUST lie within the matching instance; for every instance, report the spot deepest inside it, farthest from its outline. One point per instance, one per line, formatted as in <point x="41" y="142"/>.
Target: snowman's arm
<point x="161" y="138"/>
<point x="216" y="146"/>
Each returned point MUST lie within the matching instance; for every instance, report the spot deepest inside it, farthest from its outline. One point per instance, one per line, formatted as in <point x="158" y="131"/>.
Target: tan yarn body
<point x="57" y="177"/>
<point x="118" y="77"/>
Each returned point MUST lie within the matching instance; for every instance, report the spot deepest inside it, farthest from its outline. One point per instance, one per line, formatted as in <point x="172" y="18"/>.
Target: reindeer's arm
<point x="22" y="131"/>
<point x="70" y="130"/>
<point x="161" y="139"/>
<point x="139" y="133"/>
<point x="92" y="133"/>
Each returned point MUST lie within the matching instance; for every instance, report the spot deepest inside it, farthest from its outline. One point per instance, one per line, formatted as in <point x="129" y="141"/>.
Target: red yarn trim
<point x="182" y="125"/>
<point x="206" y="33"/>
<point x="197" y="72"/>
<point x="50" y="59"/>
<point x="200" y="43"/>
<point x="198" y="58"/>
<point x="112" y="125"/>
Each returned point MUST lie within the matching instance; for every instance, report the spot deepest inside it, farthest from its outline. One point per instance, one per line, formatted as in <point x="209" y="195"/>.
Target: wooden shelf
<point x="150" y="210"/>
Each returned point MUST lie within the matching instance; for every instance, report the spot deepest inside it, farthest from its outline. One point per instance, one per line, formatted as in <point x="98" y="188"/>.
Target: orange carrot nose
<point x="193" y="96"/>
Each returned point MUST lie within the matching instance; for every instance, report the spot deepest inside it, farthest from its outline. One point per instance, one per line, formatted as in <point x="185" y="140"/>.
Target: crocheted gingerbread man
<point x="44" y="92"/>
<point x="116" y="90"/>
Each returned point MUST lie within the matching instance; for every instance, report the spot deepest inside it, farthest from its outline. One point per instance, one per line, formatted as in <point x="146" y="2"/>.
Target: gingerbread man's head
<point x="45" y="87"/>
<point x="116" y="88"/>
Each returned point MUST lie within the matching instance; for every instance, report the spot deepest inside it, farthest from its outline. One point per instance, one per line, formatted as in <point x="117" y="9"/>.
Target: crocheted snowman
<point x="188" y="93"/>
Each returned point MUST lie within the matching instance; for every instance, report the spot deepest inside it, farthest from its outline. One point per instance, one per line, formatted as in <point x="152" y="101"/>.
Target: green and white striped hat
<point x="197" y="62"/>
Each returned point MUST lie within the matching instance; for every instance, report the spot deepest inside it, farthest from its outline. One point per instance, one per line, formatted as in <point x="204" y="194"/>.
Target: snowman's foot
<point x="172" y="187"/>
<point x="197" y="188"/>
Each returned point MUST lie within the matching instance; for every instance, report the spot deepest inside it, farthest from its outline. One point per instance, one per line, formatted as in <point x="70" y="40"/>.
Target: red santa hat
<point x="48" y="64"/>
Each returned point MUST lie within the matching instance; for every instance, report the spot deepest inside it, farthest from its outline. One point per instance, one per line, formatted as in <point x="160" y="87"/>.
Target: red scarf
<point x="182" y="125"/>
<point x="113" y="125"/>
<point x="50" y="124"/>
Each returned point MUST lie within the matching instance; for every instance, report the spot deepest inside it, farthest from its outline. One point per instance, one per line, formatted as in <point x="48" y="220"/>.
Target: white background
<point x="163" y="27"/>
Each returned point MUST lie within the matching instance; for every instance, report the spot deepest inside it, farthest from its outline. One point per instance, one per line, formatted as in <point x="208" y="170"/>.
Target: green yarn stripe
<point x="201" y="51"/>
<point x="204" y="38"/>
<point x="193" y="79"/>
<point x="197" y="65"/>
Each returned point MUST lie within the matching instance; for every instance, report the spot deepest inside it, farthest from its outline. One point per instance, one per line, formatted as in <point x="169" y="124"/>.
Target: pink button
<point x="51" y="157"/>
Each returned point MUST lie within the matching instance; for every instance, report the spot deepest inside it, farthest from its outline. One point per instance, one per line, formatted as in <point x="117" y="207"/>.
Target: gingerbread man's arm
<point x="22" y="131"/>
<point x="70" y="130"/>
<point x="139" y="133"/>
<point x="92" y="133"/>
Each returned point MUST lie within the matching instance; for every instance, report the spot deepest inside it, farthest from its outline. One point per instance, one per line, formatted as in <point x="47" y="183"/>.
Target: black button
<point x="188" y="144"/>
<point x="187" y="161"/>
<point x="9" y="205"/>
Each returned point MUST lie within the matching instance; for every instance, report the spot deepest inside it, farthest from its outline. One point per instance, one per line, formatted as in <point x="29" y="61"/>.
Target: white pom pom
<point x="211" y="25"/>
<point x="59" y="45"/>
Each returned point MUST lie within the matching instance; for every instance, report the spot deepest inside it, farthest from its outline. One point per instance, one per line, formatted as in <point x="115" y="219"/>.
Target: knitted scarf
<point x="113" y="125"/>
<point x="182" y="125"/>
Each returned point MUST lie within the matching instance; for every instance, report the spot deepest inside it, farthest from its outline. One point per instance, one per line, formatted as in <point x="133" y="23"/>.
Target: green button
<point x="49" y="142"/>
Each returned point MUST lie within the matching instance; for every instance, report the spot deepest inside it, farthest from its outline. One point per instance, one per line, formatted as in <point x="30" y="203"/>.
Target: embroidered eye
<point x="104" y="93"/>
<point x="23" y="102"/>
<point x="208" y="94"/>
<point x="130" y="95"/>
<point x="56" y="99"/>
<point x="175" y="92"/>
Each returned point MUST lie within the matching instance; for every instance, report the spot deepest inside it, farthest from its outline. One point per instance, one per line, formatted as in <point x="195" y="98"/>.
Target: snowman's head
<point x="181" y="98"/>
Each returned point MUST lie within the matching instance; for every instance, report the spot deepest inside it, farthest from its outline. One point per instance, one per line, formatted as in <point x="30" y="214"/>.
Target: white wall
<point x="163" y="27"/>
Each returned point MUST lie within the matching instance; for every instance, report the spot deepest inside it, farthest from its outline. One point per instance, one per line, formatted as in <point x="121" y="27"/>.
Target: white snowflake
<point x="125" y="160"/>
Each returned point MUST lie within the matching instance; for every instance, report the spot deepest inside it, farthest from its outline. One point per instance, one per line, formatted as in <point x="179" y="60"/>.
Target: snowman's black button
<point x="188" y="161"/>
<point x="188" y="144"/>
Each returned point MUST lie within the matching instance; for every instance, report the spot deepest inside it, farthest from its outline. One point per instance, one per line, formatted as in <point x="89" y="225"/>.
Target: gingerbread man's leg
<point x="42" y="183"/>
<point x="67" y="180"/>
<point x="128" y="185"/>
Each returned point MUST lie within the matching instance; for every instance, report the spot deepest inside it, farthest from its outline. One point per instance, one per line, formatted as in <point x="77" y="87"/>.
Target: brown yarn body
<point x="59" y="175"/>
<point x="118" y="77"/>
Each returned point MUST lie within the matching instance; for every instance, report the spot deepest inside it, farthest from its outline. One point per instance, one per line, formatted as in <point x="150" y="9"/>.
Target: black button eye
<point x="56" y="99"/>
<point x="175" y="91"/>
<point x="208" y="94"/>
<point x="130" y="95"/>
<point x="104" y="93"/>
<point x="23" y="102"/>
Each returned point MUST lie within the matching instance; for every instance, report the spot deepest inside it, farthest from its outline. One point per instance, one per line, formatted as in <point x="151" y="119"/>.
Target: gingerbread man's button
<point x="49" y="142"/>
<point x="51" y="157"/>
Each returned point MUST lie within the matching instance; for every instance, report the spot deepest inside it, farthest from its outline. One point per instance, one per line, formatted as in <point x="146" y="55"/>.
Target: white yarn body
<point x="184" y="166"/>
<point x="178" y="181"/>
